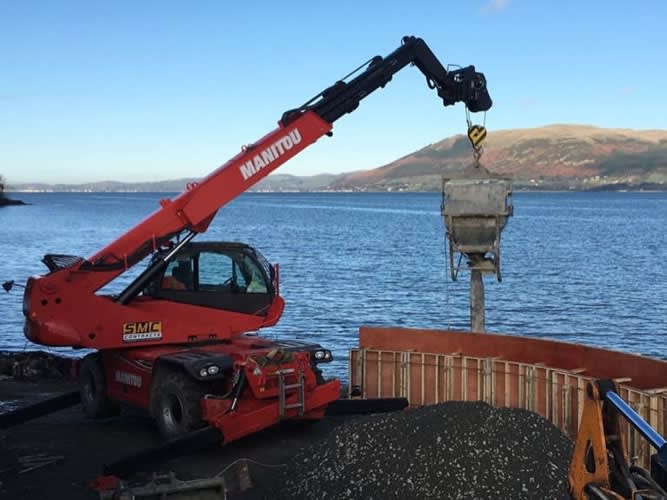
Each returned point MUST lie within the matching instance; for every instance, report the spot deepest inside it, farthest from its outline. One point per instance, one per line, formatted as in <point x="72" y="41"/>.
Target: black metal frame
<point x="461" y="85"/>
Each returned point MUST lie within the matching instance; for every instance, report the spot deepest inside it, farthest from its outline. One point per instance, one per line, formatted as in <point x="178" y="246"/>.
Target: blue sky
<point x="142" y="91"/>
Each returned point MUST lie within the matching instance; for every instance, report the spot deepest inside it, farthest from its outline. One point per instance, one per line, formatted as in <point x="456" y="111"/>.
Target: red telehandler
<point x="179" y="340"/>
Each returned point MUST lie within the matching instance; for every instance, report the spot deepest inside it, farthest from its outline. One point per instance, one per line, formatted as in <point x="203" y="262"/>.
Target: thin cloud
<point x="493" y="6"/>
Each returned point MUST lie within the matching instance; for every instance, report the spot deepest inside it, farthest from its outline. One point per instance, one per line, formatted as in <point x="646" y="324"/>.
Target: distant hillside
<point x="556" y="156"/>
<point x="552" y="157"/>
<point x="276" y="182"/>
<point x="285" y="182"/>
<point x="170" y="186"/>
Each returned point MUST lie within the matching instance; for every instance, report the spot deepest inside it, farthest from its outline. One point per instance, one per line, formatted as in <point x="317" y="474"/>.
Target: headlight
<point x="203" y="372"/>
<point x="213" y="370"/>
<point x="322" y="355"/>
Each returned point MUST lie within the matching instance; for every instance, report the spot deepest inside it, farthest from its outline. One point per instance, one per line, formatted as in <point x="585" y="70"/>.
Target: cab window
<point x="216" y="271"/>
<point x="253" y="277"/>
<point x="236" y="273"/>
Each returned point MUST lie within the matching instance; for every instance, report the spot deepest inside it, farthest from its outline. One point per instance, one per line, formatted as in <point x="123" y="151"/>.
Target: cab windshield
<point x="234" y="279"/>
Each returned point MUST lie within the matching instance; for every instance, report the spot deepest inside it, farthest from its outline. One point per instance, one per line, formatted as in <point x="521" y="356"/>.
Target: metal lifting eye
<point x="431" y="84"/>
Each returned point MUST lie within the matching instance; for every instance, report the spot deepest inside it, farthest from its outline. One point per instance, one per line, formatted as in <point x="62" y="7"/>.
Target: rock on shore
<point x="33" y="365"/>
<point x="451" y="450"/>
<point x="4" y="202"/>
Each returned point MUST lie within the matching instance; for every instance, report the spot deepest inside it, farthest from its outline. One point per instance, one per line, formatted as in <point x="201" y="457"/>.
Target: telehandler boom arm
<point x="193" y="210"/>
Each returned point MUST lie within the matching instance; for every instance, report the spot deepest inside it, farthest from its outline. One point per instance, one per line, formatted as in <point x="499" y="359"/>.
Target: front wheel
<point x="177" y="404"/>
<point x="93" y="389"/>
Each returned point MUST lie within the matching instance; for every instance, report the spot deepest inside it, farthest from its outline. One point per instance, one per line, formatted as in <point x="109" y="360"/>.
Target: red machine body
<point x="62" y="308"/>
<point x="185" y="355"/>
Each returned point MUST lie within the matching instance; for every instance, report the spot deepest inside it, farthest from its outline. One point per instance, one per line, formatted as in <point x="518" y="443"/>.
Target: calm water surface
<point x="579" y="267"/>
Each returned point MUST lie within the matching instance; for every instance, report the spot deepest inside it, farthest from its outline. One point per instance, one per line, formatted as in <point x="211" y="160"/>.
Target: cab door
<point x="230" y="280"/>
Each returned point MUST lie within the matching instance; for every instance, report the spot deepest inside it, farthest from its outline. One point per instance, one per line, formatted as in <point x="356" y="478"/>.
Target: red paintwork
<point x="105" y="483"/>
<point x="242" y="350"/>
<point x="262" y="409"/>
<point x="62" y="317"/>
<point x="255" y="415"/>
<point x="139" y="361"/>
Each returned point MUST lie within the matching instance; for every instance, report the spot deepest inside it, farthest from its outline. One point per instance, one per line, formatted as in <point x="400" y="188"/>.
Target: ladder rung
<point x="282" y="394"/>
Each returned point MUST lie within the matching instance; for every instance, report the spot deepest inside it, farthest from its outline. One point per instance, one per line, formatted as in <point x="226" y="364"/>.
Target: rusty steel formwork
<point x="546" y="377"/>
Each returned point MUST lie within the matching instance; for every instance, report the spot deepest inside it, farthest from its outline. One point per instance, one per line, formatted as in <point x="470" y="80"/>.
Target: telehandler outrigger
<point x="180" y="347"/>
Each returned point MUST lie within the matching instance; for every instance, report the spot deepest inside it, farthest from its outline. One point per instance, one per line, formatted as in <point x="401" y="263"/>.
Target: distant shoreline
<point x="659" y="188"/>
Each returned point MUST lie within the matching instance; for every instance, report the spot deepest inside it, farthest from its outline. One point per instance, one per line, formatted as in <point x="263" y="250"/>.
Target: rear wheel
<point x="176" y="404"/>
<point x="93" y="389"/>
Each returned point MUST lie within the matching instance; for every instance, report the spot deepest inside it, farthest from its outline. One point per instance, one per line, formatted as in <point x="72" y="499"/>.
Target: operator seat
<point x="183" y="273"/>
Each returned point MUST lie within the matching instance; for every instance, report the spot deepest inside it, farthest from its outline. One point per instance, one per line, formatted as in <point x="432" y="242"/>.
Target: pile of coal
<point x="451" y="450"/>
<point x="33" y="365"/>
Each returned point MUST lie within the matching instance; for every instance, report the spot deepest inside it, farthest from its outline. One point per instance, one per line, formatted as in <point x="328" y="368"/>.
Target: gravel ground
<point x="448" y="451"/>
<point x="452" y="450"/>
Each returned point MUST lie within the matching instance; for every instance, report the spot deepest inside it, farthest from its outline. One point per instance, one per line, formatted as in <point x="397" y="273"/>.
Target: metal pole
<point x="477" y="319"/>
<point x="653" y="436"/>
<point x="134" y="288"/>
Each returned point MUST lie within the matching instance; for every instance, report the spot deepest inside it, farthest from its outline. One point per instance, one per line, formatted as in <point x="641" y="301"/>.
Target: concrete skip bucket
<point x="475" y="210"/>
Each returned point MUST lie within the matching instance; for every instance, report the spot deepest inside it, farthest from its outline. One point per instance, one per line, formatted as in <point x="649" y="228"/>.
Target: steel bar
<point x="36" y="410"/>
<point x="653" y="437"/>
<point x="365" y="406"/>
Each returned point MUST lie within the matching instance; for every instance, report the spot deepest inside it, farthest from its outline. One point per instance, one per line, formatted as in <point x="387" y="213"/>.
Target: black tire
<point x="176" y="404"/>
<point x="93" y="389"/>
